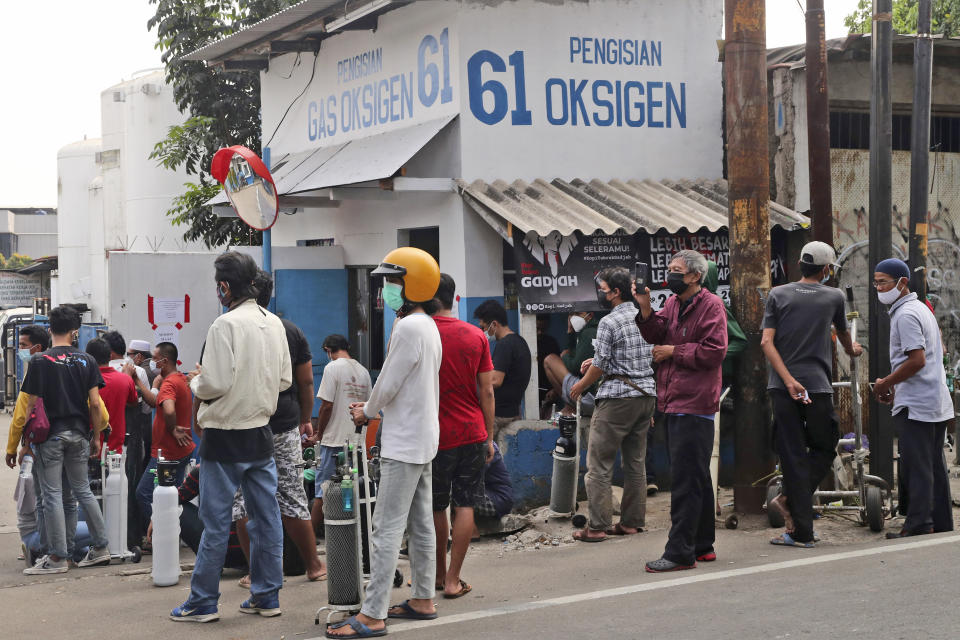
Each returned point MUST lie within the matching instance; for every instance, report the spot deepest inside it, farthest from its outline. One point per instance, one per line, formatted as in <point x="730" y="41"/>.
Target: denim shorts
<point x="326" y="467"/>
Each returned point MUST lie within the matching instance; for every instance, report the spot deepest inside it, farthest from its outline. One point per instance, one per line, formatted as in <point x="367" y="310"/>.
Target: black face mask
<point x="602" y="297"/>
<point x="676" y="284"/>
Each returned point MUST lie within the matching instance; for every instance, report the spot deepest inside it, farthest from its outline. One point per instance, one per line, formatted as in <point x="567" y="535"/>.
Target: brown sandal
<point x="464" y="590"/>
<point x="583" y="535"/>
<point x="619" y="530"/>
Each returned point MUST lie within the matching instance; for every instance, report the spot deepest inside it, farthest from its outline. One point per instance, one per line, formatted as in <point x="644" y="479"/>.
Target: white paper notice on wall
<point x="169" y="310"/>
<point x="166" y="333"/>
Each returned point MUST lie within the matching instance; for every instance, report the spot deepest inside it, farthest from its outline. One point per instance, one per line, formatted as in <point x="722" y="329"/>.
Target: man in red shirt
<point x="466" y="435"/>
<point x="118" y="392"/>
<point x="171" y="424"/>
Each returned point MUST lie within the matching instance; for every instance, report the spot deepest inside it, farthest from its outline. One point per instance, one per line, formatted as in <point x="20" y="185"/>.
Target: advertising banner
<point x="17" y="290"/>
<point x="558" y="273"/>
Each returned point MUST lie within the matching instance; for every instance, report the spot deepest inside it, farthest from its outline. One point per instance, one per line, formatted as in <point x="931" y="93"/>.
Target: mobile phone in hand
<point x="641" y="276"/>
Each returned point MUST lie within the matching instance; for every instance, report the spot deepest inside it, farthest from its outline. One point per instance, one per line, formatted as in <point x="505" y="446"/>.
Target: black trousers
<point x="134" y="469"/>
<point x="924" y="468"/>
<point x="806" y="437"/>
<point x="692" y="503"/>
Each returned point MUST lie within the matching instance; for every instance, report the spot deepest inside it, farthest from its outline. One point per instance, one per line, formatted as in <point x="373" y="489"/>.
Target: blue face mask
<point x="393" y="295"/>
<point x="24" y="355"/>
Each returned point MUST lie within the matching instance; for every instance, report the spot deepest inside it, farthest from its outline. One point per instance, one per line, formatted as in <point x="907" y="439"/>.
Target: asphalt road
<point x="868" y="588"/>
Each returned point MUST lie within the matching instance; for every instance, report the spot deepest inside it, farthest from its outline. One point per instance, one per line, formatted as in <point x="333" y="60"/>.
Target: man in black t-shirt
<point x="511" y="363"/>
<point x="68" y="380"/>
<point x="294" y="407"/>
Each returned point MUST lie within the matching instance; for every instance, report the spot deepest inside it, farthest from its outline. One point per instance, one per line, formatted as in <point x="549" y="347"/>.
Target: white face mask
<point x="153" y="366"/>
<point x="578" y="323"/>
<point x="891" y="296"/>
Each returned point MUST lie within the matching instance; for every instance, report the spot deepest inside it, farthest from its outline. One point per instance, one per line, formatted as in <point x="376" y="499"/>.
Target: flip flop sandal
<point x="360" y="630"/>
<point x="785" y="540"/>
<point x="464" y="590"/>
<point x="581" y="536"/>
<point x="409" y="613"/>
<point x="244" y="582"/>
<point x="618" y="530"/>
<point x="318" y="578"/>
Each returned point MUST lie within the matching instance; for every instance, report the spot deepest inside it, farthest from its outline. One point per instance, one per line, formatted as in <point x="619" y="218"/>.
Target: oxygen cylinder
<point x="166" y="526"/>
<point x="340" y="527"/>
<point x="115" y="505"/>
<point x="562" y="484"/>
<point x="564" y="480"/>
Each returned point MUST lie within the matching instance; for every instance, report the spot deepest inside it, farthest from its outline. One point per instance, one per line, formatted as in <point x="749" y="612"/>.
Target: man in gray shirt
<point x="917" y="389"/>
<point x="796" y="342"/>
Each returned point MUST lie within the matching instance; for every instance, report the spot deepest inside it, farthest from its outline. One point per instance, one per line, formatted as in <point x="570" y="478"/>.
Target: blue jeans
<point x="145" y="487"/>
<point x="218" y="484"/>
<point x="65" y="456"/>
<point x="82" y="542"/>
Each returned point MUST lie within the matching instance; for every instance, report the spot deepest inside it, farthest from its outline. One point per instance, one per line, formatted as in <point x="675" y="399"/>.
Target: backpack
<point x="37" y="428"/>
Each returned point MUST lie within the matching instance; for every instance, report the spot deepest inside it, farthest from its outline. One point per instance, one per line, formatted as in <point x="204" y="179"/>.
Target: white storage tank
<point x="76" y="170"/>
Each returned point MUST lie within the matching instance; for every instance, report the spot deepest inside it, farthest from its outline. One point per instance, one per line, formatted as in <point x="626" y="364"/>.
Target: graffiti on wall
<point x="850" y="181"/>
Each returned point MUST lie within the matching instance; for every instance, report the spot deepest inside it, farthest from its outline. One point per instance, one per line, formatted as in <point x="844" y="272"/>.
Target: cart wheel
<point x="137" y="554"/>
<point x="579" y="521"/>
<point x="773" y="516"/>
<point x="732" y="521"/>
<point x="875" y="508"/>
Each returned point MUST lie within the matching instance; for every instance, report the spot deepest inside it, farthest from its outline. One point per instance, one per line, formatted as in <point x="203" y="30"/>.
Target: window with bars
<point x="851" y="130"/>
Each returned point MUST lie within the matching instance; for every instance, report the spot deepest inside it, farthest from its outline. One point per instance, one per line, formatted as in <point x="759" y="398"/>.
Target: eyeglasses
<point x="883" y="283"/>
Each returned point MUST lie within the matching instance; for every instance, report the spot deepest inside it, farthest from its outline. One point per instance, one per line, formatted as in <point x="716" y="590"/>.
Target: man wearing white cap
<point x="796" y="342"/>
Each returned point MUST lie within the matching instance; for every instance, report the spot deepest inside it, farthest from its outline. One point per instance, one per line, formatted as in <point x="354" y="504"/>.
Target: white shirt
<point x="117" y="366"/>
<point x="344" y="381"/>
<point x="408" y="392"/>
<point x="246" y="364"/>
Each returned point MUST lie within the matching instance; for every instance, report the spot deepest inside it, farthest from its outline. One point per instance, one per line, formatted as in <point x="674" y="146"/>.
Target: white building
<point x="117" y="247"/>
<point x="525" y="144"/>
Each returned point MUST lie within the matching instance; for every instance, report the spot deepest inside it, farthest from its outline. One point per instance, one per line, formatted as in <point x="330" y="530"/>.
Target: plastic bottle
<point x="115" y="505"/>
<point x="346" y="491"/>
<point x="26" y="467"/>
<point x="166" y="526"/>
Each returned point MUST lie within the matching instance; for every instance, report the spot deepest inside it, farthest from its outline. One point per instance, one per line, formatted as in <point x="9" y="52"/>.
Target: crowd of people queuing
<point x="442" y="396"/>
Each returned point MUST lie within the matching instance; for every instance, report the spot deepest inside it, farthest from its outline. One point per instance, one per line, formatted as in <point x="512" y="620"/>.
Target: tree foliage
<point x="222" y="107"/>
<point x="16" y="261"/>
<point x="944" y="18"/>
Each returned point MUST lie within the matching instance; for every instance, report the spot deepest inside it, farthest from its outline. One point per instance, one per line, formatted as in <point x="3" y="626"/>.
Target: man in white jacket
<point x="407" y="392"/>
<point x="244" y="367"/>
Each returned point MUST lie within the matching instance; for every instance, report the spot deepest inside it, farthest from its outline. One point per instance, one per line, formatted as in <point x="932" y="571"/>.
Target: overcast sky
<point x="60" y="54"/>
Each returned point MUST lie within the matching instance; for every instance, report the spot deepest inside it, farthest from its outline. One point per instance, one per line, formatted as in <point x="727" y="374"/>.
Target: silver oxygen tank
<point x="563" y="485"/>
<point x="340" y="516"/>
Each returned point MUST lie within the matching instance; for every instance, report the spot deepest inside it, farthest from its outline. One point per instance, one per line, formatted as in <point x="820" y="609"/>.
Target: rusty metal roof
<point x="631" y="205"/>
<point x="857" y="46"/>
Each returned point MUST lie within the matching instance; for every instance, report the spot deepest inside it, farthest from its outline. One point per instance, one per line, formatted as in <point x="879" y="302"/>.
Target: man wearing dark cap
<point x="921" y="403"/>
<point x="796" y="342"/>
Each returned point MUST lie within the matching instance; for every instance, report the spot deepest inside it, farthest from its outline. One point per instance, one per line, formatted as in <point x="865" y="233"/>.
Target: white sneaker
<point x="45" y="565"/>
<point x="96" y="556"/>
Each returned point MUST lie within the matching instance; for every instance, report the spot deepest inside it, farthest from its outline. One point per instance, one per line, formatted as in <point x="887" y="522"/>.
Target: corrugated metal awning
<point x="309" y="19"/>
<point x="362" y="160"/>
<point x="372" y="158"/>
<point x="631" y="205"/>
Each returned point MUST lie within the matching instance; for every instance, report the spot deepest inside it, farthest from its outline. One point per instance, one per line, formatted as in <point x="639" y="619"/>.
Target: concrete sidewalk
<point x="120" y="601"/>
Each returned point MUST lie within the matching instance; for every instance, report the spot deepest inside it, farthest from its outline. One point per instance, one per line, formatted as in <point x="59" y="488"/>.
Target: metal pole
<point x="745" y="81"/>
<point x="267" y="248"/>
<point x="818" y="124"/>
<point x="920" y="150"/>
<point x="881" y="160"/>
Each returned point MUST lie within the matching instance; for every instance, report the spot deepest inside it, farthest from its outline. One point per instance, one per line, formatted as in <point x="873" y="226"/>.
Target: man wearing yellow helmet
<point x="407" y="393"/>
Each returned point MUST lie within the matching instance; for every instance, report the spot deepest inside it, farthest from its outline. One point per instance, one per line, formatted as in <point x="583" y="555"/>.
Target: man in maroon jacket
<point x="690" y="334"/>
